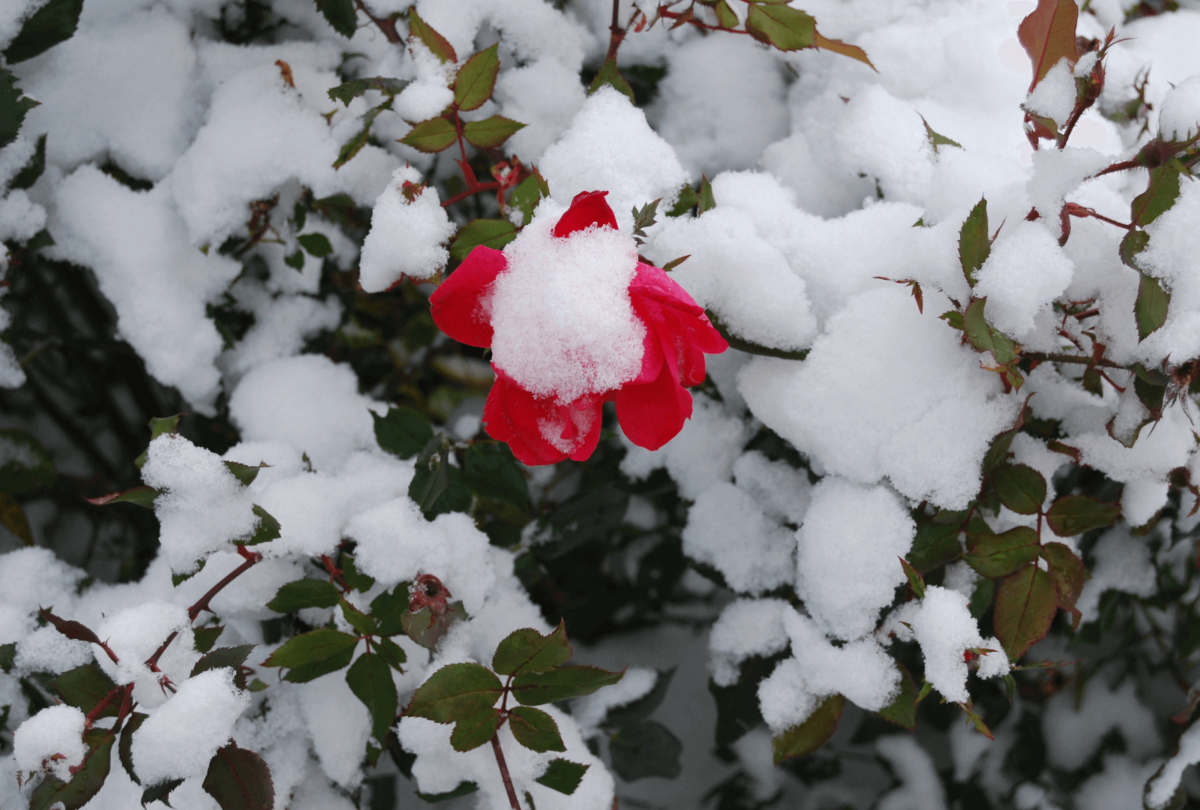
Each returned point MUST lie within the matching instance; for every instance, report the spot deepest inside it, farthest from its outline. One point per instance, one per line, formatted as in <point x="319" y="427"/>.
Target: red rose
<point x="551" y="425"/>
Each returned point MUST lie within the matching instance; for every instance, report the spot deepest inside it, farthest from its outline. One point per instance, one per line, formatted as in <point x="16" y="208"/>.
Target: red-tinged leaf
<point x="976" y="720"/>
<point x="984" y="338"/>
<point x="1048" y="35"/>
<point x="491" y="133"/>
<point x="85" y="687"/>
<point x="1068" y="573"/>
<point x="1161" y="193"/>
<point x="563" y="776"/>
<point x="1025" y="607"/>
<point x="125" y="746"/>
<point x="1076" y="514"/>
<point x="812" y="733"/>
<point x="784" y="27"/>
<point x="239" y="780"/>
<point x="999" y="555"/>
<point x="69" y="628"/>
<point x="431" y="39"/>
<point x="937" y="139"/>
<point x="837" y="46"/>
<point x="537" y="688"/>
<point x="527" y="650"/>
<point x="903" y="710"/>
<point x="1150" y="308"/>
<point x="88" y="778"/>
<point x="671" y="265"/>
<point x="915" y="580"/>
<point x="455" y="692"/>
<point x="431" y="136"/>
<point x="477" y="79"/>
<point x="491" y="233"/>
<point x="142" y="496"/>
<point x="370" y="679"/>
<point x="610" y="76"/>
<point x="535" y="729"/>
<point x="1020" y="487"/>
<point x="726" y="17"/>
<point x="973" y="243"/>
<point x="475" y="730"/>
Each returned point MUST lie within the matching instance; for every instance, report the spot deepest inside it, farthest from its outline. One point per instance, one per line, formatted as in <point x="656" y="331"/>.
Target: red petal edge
<point x="653" y="414"/>
<point x="587" y="209"/>
<point x="456" y="305"/>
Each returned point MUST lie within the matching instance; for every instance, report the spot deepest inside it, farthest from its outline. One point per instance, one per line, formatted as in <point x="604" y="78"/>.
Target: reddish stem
<point x="1070" y="358"/>
<point x="388" y="26"/>
<point x="335" y="575"/>
<point x="462" y="195"/>
<point x="508" y="785"/>
<point x="94" y="714"/>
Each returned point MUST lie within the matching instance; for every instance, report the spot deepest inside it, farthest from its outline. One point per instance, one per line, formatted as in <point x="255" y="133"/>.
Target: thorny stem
<point x="462" y="195"/>
<point x="1045" y="357"/>
<point x="508" y="785"/>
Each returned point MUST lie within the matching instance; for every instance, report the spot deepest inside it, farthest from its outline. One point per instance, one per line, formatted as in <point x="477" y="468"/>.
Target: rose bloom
<point x="575" y="320"/>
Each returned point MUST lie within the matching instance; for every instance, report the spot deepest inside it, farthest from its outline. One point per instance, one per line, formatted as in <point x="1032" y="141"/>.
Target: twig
<point x="508" y="785"/>
<point x="388" y="26"/>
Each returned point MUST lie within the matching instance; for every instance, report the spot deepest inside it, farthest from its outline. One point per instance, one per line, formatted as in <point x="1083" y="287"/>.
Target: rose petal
<point x="458" y="304"/>
<point x="587" y="209"/>
<point x="653" y="414"/>
<point x="513" y="415"/>
<point x="588" y="441"/>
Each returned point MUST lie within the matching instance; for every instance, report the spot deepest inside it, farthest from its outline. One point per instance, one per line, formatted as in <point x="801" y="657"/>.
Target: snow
<point x="745" y="628"/>
<point x="945" y="628"/>
<point x="760" y="559"/>
<point x="847" y="563"/>
<point x="1121" y="563"/>
<point x="545" y="96"/>
<point x="339" y="725"/>
<point x="1162" y="787"/>
<point x="180" y="737"/>
<point x="1121" y="784"/>
<point x="589" y="712"/>
<point x="1054" y="96"/>
<point x="921" y="788"/>
<point x="53" y="736"/>
<point x="562" y="319"/>
<point x="1073" y="734"/>
<point x="134" y="635"/>
<point x="1179" y="115"/>
<point x="406" y="237"/>
<point x="1024" y="273"/>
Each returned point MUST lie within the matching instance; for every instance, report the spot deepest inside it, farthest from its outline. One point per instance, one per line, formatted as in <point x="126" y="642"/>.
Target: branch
<point x="388" y="26"/>
<point x="508" y="785"/>
<point x="1043" y="357"/>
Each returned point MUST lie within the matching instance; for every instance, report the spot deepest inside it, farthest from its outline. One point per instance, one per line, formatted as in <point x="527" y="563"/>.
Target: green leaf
<point x="563" y="775"/>
<point x="782" y="26"/>
<point x="268" y="528"/>
<point x="141" y="496"/>
<point x="1076" y="514"/>
<point x="1150" y="308"/>
<point x="492" y="233"/>
<point x="84" y="687"/>
<point x="981" y="598"/>
<point x="528" y="193"/>
<point x="1067" y="572"/>
<point x="643" y="707"/>
<point x="28" y="468"/>
<point x="463" y="789"/>
<point x="354" y="88"/>
<point x="430" y="38"/>
<point x="53" y="23"/>
<point x="1025" y="607"/>
<point x="998" y="555"/>
<point x="206" y="637"/>
<point x="936" y="139"/>
<point x="315" y="244"/>
<point x="455" y="692"/>
<point x="125" y="746"/>
<point x="295" y="261"/>
<point x="527" y="650"/>
<point x="915" y="580"/>
<point x="244" y="473"/>
<point x="1161" y="193"/>
<point x="645" y="749"/>
<point x="8" y="654"/>
<point x="14" y="106"/>
<point x="239" y="780"/>
<point x="935" y="545"/>
<point x="475" y="730"/>
<point x="431" y="136"/>
<point x="313" y="654"/>
<point x="973" y="242"/>
<point x="13" y="518"/>
<point x="535" y="729"/>
<point x="427" y="628"/>
<point x="232" y="657"/>
<point x="304" y="593"/>
<point x="353" y="146"/>
<point x="537" y="688"/>
<point x="903" y="709"/>
<point x="1133" y="243"/>
<point x="727" y="18"/>
<point x="341" y="15"/>
<point x="491" y="132"/>
<point x="983" y="337"/>
<point x="686" y="202"/>
<point x="403" y="432"/>
<point x="160" y="792"/>
<point x="33" y="169"/>
<point x="388" y="607"/>
<point x="671" y="265"/>
<point x="364" y="624"/>
<point x="490" y="470"/>
<point x="87" y="780"/>
<point x="391" y="652"/>
<point x="1020" y="487"/>
<point x="611" y="77"/>
<point x="477" y="79"/>
<point x="438" y="487"/>
<point x="705" y="201"/>
<point x="370" y="679"/>
<point x="812" y="733"/>
<point x="741" y="344"/>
